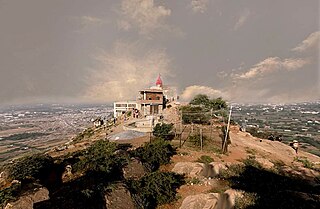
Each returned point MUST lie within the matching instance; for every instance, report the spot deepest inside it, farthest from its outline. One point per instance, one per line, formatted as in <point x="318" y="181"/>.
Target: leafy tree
<point x="207" y="103"/>
<point x="200" y="99"/>
<point x="218" y="104"/>
<point x="163" y="131"/>
<point x="154" y="154"/>
<point x="197" y="115"/>
<point x="155" y="189"/>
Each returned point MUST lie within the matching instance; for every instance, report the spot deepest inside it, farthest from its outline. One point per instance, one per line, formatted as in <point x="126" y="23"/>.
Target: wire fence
<point x="202" y="135"/>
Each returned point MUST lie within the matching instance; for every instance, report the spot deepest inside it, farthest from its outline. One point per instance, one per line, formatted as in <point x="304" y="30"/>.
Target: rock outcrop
<point x="193" y="169"/>
<point x="27" y="201"/>
<point x="119" y="198"/>
<point x="224" y="200"/>
<point x="134" y="170"/>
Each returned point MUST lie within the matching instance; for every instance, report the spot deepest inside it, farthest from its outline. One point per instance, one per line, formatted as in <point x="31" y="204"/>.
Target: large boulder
<point x="190" y="169"/>
<point x="200" y="201"/>
<point x="134" y="170"/>
<point x="214" y="169"/>
<point x="193" y="169"/>
<point x="224" y="200"/>
<point x="27" y="201"/>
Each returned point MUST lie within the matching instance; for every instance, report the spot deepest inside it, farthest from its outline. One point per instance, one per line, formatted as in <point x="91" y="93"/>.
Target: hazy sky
<point x="106" y="50"/>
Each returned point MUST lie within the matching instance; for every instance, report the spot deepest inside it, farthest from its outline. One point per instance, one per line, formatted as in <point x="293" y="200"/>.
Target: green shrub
<point x="306" y="163"/>
<point x="194" y="180"/>
<point x="251" y="151"/>
<point x="155" y="189"/>
<point x="205" y="159"/>
<point x="251" y="161"/>
<point x="220" y="189"/>
<point x="232" y="171"/>
<point x="31" y="167"/>
<point x="100" y="157"/>
<point x="154" y="154"/>
<point x="245" y="201"/>
<point x="9" y="194"/>
<point x="163" y="131"/>
<point x="83" y="135"/>
<point x="196" y="140"/>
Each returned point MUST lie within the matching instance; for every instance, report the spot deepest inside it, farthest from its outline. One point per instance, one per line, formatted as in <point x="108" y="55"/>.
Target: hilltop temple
<point x="151" y="101"/>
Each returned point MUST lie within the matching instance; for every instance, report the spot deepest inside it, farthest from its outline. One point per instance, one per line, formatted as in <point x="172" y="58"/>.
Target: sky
<point x="80" y="51"/>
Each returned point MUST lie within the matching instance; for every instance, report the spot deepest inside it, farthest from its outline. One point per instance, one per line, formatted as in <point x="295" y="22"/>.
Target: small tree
<point x="154" y="154"/>
<point x="163" y="131"/>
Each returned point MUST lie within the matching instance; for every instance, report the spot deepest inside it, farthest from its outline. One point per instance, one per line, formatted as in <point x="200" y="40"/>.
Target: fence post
<point x="201" y="143"/>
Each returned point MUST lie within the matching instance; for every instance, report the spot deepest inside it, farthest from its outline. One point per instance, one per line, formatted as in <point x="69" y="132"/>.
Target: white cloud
<point x="242" y="19"/>
<point x="222" y="74"/>
<point x="89" y="20"/>
<point x="86" y="22"/>
<point x="272" y="64"/>
<point x="190" y="91"/>
<point x="122" y="73"/>
<point x="312" y="41"/>
<point x="143" y="14"/>
<point x="124" y="25"/>
<point x="199" y="5"/>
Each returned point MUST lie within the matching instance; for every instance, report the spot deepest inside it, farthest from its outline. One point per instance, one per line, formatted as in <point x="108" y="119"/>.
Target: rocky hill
<point x="125" y="173"/>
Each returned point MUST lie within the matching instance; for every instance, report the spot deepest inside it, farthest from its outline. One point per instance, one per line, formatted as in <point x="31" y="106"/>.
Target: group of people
<point x="294" y="144"/>
<point x="135" y="113"/>
<point x="273" y="138"/>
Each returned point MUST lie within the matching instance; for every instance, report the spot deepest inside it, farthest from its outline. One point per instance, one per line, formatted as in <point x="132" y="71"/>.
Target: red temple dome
<point x="159" y="81"/>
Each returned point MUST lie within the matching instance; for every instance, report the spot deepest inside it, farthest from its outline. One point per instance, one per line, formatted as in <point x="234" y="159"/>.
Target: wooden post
<point x="201" y="143"/>
<point x="191" y="128"/>
<point x="227" y="131"/>
<point x="150" y="137"/>
<point x="180" y="121"/>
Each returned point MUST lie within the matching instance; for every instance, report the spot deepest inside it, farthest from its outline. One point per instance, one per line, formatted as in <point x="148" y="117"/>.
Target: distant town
<point x="34" y="128"/>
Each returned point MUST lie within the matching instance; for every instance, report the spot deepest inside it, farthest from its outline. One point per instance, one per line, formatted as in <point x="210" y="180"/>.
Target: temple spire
<point x="159" y="81"/>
